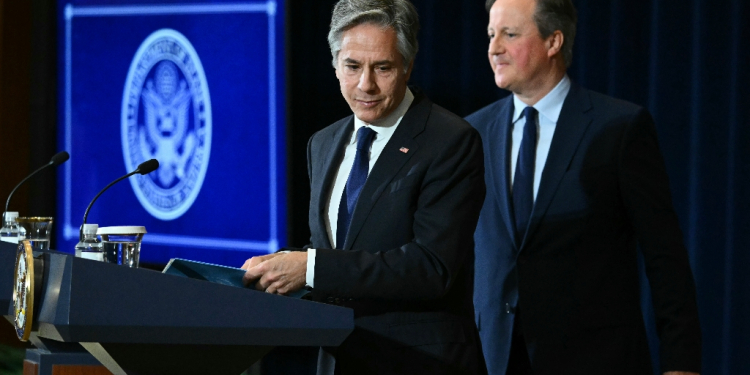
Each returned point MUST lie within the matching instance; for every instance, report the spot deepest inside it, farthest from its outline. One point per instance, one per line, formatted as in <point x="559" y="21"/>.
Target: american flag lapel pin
<point x="404" y="150"/>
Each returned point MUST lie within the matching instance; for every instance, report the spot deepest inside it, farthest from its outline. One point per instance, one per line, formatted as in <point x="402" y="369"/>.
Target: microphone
<point x="144" y="168"/>
<point x="147" y="166"/>
<point x="57" y="159"/>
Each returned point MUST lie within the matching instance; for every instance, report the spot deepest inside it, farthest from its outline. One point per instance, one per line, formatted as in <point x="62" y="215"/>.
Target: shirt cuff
<point x="310" y="275"/>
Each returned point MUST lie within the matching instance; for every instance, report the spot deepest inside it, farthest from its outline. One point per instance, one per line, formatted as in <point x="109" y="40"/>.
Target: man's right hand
<point x="254" y="261"/>
<point x="279" y="273"/>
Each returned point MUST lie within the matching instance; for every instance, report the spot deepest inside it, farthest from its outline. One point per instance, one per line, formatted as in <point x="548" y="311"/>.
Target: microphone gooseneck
<point x="144" y="168"/>
<point x="57" y="159"/>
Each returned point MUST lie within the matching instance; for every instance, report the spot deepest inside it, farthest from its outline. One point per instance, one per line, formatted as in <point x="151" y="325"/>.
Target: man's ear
<point x="408" y="71"/>
<point x="554" y="43"/>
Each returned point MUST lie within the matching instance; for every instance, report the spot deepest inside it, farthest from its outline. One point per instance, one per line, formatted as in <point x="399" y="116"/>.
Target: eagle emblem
<point x="166" y="115"/>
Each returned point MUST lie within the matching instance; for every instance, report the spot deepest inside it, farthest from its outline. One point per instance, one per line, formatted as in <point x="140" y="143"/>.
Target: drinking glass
<point x="38" y="230"/>
<point x="122" y="245"/>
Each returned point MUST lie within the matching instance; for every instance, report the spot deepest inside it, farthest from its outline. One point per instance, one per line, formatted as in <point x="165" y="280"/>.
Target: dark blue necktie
<point x="523" y="180"/>
<point x="357" y="178"/>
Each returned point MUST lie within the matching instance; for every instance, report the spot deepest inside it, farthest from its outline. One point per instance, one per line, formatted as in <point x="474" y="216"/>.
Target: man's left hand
<point x="279" y="273"/>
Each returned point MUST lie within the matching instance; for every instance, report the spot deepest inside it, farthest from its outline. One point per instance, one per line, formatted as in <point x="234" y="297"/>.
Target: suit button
<point x="509" y="309"/>
<point x="338" y="301"/>
<point x="329" y="299"/>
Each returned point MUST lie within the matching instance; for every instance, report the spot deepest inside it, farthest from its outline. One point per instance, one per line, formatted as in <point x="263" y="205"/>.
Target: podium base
<point x="40" y="362"/>
<point x="153" y="359"/>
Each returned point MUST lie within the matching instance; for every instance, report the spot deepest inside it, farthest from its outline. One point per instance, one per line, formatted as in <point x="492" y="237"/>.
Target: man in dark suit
<point x="396" y="191"/>
<point x="575" y="181"/>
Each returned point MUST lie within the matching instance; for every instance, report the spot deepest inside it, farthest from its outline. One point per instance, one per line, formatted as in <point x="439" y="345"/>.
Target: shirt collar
<point x="387" y="125"/>
<point x="549" y="106"/>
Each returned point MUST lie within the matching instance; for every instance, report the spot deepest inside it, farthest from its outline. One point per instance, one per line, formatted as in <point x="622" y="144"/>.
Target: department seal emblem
<point x="23" y="291"/>
<point x="166" y="115"/>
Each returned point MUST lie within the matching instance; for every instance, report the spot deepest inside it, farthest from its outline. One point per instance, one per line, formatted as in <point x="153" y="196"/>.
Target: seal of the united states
<point x="166" y="115"/>
<point x="23" y="291"/>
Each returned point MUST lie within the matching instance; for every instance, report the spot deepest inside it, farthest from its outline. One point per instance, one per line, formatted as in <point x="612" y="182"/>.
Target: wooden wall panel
<point x="79" y="370"/>
<point x="30" y="368"/>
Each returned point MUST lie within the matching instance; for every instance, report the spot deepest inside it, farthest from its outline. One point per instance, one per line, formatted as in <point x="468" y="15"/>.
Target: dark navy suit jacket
<point x="406" y="267"/>
<point x="574" y="279"/>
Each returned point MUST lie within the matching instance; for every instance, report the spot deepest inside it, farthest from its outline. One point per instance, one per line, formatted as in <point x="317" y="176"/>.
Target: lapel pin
<point x="404" y="150"/>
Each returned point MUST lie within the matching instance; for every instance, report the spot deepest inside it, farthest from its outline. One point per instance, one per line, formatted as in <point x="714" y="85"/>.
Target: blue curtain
<point x="687" y="61"/>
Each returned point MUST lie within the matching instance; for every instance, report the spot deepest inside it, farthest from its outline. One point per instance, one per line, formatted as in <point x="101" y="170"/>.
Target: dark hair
<point x="397" y="14"/>
<point x="552" y="15"/>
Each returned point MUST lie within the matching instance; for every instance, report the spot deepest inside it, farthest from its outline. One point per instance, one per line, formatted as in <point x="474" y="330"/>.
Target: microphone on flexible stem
<point x="57" y="159"/>
<point x="144" y="168"/>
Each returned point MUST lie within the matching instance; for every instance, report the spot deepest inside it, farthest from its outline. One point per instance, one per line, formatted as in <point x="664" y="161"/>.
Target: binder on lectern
<point x="215" y="273"/>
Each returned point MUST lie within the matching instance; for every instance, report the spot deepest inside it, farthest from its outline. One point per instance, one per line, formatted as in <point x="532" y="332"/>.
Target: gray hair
<point x="552" y="15"/>
<point x="397" y="14"/>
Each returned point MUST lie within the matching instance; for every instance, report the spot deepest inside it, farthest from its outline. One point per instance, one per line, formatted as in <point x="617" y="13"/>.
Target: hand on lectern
<point x="278" y="273"/>
<point x="254" y="261"/>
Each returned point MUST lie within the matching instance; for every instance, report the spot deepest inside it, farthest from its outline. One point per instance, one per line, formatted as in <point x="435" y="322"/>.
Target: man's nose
<point x="367" y="81"/>
<point x="496" y="47"/>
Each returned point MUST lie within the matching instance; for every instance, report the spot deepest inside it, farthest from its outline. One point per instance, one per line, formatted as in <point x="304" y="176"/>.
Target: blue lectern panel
<point x="195" y="85"/>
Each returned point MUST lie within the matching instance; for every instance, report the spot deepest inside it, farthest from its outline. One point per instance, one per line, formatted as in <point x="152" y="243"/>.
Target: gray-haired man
<point x="396" y="193"/>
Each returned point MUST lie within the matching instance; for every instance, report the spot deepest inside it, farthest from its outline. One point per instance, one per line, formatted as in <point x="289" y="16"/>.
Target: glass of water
<point x="122" y="245"/>
<point x="38" y="230"/>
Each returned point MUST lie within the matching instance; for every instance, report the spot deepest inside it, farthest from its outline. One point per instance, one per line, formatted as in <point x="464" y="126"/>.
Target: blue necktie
<point x="523" y="180"/>
<point x="357" y="178"/>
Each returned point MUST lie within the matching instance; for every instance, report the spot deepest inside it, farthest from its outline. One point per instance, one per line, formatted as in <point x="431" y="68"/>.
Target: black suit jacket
<point x="406" y="265"/>
<point x="604" y="190"/>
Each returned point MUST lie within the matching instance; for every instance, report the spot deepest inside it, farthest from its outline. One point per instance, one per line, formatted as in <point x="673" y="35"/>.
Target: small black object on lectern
<point x="7" y="271"/>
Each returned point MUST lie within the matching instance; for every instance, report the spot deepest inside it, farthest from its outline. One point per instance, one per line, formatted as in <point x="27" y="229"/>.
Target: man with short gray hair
<point x="401" y="16"/>
<point x="575" y="181"/>
<point x="396" y="190"/>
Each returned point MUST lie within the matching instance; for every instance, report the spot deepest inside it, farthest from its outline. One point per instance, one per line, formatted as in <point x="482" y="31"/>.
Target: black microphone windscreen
<point x="59" y="158"/>
<point x="148" y="166"/>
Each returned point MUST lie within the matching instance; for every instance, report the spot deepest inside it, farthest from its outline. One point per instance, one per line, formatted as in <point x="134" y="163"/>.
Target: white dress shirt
<point x="549" y="108"/>
<point x="384" y="129"/>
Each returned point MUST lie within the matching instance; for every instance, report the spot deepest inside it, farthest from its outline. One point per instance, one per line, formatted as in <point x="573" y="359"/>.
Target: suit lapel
<point x="389" y="163"/>
<point x="572" y="124"/>
<point x="500" y="130"/>
<point x="331" y="154"/>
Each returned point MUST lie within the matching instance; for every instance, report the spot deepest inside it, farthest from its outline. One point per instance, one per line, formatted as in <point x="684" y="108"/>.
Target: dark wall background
<point x="27" y="123"/>
<point x="27" y="104"/>
<point x="685" y="60"/>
